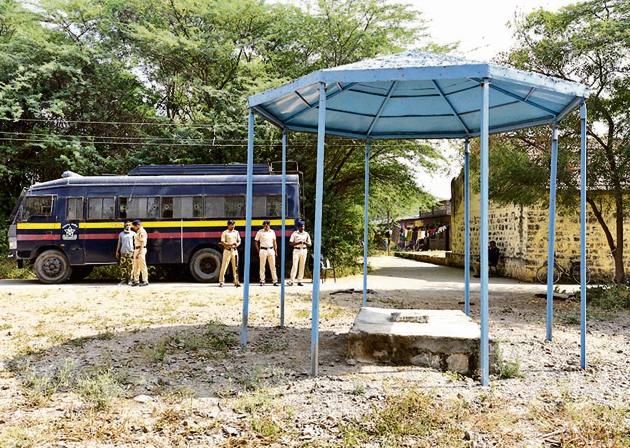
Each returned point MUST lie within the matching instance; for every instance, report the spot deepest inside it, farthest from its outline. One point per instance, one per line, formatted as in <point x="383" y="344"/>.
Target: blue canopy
<point x="418" y="95"/>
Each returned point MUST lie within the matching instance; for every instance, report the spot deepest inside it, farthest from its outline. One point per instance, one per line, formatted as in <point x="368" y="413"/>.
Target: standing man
<point x="124" y="253"/>
<point x="140" y="255"/>
<point x="300" y="240"/>
<point x="267" y="251"/>
<point x="230" y="240"/>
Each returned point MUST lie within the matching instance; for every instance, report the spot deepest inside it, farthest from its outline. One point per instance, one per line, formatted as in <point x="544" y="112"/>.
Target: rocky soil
<point x="96" y="364"/>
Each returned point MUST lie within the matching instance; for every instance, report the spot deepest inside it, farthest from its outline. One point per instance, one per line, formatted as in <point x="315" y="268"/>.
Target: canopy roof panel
<point x="418" y="95"/>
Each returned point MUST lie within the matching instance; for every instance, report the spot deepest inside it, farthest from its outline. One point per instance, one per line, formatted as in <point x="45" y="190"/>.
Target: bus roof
<point x="162" y="180"/>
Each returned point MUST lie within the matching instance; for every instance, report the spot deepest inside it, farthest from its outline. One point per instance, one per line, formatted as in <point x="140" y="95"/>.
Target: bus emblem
<point x="69" y="231"/>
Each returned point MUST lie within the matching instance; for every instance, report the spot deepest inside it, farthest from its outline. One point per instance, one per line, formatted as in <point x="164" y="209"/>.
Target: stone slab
<point x="440" y="339"/>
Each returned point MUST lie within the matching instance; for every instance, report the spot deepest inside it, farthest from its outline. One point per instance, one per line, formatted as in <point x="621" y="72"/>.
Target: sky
<point x="481" y="28"/>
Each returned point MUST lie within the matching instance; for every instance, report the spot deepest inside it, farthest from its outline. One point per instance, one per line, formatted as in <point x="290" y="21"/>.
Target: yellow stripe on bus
<point x="156" y="224"/>
<point x="38" y="225"/>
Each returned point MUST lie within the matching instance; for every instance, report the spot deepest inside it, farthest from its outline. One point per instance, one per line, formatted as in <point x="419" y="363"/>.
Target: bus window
<point x="215" y="207"/>
<point x="101" y="208"/>
<point x="36" y="207"/>
<point x="187" y="207"/>
<point x="143" y="207"/>
<point x="122" y="208"/>
<point x="74" y="209"/>
<point x="235" y="206"/>
<point x="197" y="207"/>
<point x="274" y="206"/>
<point x="167" y="207"/>
<point x="259" y="206"/>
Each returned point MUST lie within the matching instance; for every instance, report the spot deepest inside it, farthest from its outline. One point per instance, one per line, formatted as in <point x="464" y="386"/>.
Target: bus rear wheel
<point x="205" y="265"/>
<point x="52" y="266"/>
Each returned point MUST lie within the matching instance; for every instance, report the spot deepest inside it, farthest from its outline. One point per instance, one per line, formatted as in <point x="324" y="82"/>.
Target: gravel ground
<point x="96" y="364"/>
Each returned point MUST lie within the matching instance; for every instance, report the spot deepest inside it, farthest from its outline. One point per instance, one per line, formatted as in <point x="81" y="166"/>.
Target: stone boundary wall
<point x="521" y="235"/>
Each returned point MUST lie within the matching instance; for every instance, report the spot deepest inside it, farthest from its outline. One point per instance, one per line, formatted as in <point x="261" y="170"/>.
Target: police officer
<point x="124" y="253"/>
<point x="267" y="251"/>
<point x="300" y="240"/>
<point x="139" y="268"/>
<point x="230" y="240"/>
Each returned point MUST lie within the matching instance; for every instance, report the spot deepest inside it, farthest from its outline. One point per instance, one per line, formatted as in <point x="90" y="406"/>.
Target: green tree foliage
<point x="100" y="86"/>
<point x="588" y="42"/>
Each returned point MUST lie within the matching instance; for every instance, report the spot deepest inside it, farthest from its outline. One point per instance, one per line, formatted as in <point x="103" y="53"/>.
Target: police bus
<point x="67" y="226"/>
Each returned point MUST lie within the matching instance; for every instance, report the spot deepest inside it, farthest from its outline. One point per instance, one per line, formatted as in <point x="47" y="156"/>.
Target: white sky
<point x="481" y="28"/>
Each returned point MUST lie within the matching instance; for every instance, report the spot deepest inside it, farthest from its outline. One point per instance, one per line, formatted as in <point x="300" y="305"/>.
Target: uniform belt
<point x="267" y="248"/>
<point x="141" y="247"/>
<point x="230" y="248"/>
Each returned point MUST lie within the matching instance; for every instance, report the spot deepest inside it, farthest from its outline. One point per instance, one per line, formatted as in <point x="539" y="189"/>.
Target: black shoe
<point x="220" y="285"/>
<point x="275" y="284"/>
<point x="238" y="285"/>
<point x="300" y="284"/>
<point x="144" y="284"/>
<point x="262" y="283"/>
<point x="134" y="284"/>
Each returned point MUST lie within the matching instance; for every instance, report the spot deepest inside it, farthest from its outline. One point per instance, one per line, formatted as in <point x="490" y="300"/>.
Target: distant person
<point x="267" y="250"/>
<point x="124" y="253"/>
<point x="493" y="259"/>
<point x="230" y="241"/>
<point x="139" y="269"/>
<point x="300" y="240"/>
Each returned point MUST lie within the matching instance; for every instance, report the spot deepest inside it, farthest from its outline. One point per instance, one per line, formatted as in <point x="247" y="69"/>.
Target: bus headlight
<point x="12" y="243"/>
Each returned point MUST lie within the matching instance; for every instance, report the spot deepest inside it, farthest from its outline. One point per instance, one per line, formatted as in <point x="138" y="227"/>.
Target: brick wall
<point x="521" y="235"/>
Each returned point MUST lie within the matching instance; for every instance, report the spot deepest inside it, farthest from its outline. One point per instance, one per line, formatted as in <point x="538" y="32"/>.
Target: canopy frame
<point x="331" y="83"/>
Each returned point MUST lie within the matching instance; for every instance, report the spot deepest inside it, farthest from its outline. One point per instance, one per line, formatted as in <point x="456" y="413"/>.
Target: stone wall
<point x="521" y="235"/>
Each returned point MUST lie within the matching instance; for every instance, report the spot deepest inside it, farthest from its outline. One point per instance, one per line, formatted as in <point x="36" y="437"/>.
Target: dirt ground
<point x="96" y="364"/>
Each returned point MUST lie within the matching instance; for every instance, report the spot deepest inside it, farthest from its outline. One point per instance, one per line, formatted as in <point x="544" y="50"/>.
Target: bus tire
<point x="52" y="266"/>
<point x="205" y="265"/>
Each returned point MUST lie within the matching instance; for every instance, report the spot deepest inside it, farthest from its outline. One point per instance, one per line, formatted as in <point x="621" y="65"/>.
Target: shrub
<point x="609" y="297"/>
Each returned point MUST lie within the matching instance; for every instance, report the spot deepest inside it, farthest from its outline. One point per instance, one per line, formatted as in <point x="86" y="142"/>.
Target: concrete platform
<point x="440" y="339"/>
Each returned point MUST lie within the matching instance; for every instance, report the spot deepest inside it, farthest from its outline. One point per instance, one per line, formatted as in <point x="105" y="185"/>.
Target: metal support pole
<point x="483" y="235"/>
<point x="552" y="229"/>
<point x="366" y="196"/>
<point x="317" y="243"/>
<point x="583" y="235"/>
<point x="248" y="225"/>
<point x="283" y="239"/>
<point x="467" y="227"/>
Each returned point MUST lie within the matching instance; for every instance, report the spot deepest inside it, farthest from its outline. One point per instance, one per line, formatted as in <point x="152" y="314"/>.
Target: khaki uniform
<point x="139" y="268"/>
<point x="230" y="256"/>
<point x="267" y="253"/>
<point x="300" y="250"/>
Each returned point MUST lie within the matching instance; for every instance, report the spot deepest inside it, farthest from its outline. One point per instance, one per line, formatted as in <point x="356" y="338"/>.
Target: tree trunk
<point x="620" y="274"/>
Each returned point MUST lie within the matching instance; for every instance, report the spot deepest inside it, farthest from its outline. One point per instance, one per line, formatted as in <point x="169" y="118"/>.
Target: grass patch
<point x="267" y="417"/>
<point x="609" y="297"/>
<point x="405" y="420"/>
<point x="99" y="389"/>
<point x="38" y="389"/>
<point x="213" y="343"/>
<point x="10" y="271"/>
<point x="507" y="369"/>
<point x="580" y="424"/>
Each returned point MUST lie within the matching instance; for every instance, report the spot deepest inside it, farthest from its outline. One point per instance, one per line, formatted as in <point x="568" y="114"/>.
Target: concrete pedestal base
<point x="440" y="339"/>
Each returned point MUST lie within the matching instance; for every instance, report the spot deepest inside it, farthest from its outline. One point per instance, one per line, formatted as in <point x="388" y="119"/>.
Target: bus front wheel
<point x="205" y="265"/>
<point x="52" y="266"/>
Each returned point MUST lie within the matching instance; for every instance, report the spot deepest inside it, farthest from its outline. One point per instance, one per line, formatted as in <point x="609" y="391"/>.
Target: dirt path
<point x="100" y="365"/>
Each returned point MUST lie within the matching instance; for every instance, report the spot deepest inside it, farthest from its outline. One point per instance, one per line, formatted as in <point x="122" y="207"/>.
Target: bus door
<point x="70" y="222"/>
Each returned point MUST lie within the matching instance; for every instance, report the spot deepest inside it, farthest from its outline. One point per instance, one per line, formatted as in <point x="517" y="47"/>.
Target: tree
<point x="586" y="42"/>
<point x="99" y="86"/>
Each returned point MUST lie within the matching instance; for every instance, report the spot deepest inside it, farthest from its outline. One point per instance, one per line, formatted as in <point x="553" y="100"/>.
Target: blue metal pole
<point x="317" y="243"/>
<point x="283" y="239"/>
<point x="552" y="229"/>
<point x="366" y="196"/>
<point x="248" y="225"/>
<point x="583" y="235"/>
<point x="483" y="235"/>
<point x="467" y="227"/>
